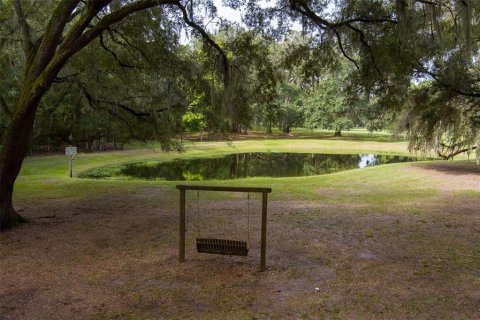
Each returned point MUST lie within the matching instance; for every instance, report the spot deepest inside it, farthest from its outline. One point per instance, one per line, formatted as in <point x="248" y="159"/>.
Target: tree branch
<point x="75" y="43"/>
<point x="118" y="103"/>
<point x="92" y="9"/>
<point x="10" y="38"/>
<point x="52" y="35"/>
<point x="22" y="21"/>
<point x="421" y="69"/>
<point x="115" y="56"/>
<point x="66" y="78"/>
<point x="127" y="44"/>
<point x="427" y="2"/>
<point x="339" y="40"/>
<point x="93" y="103"/>
<point x="46" y="66"/>
<point x="302" y="7"/>
<point x="456" y="153"/>
<point x="4" y="106"/>
<point x="367" y="46"/>
<point x="210" y="41"/>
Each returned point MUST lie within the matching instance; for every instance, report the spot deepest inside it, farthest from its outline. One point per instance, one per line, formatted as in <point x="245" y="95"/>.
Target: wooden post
<point x="181" y="243"/>
<point x="70" y="160"/>
<point x="263" y="249"/>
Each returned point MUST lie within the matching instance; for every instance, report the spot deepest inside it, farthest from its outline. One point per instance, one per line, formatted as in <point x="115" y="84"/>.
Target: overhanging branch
<point x="210" y="41"/>
<point x="124" y="42"/>
<point x="113" y="54"/>
<point x="85" y="38"/>
<point x="419" y="68"/>
<point x="51" y="38"/>
<point x="367" y="46"/>
<point x="141" y="115"/>
<point x="455" y="153"/>
<point x="302" y="7"/>
<point x="339" y="40"/>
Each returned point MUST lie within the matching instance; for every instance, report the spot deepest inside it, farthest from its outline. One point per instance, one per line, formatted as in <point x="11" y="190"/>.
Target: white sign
<point x="71" y="152"/>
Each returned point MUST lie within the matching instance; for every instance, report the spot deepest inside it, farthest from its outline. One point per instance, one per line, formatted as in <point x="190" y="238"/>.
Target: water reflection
<point x="367" y="160"/>
<point x="242" y="165"/>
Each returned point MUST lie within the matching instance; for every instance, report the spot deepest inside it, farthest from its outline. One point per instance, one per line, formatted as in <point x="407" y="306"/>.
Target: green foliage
<point x="193" y="122"/>
<point x="138" y="81"/>
<point x="133" y="89"/>
<point x="254" y="77"/>
<point x="335" y="103"/>
<point x="290" y="109"/>
<point x="447" y="123"/>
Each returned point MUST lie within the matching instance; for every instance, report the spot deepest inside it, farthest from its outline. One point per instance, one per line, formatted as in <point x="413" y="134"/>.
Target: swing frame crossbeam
<point x="263" y="241"/>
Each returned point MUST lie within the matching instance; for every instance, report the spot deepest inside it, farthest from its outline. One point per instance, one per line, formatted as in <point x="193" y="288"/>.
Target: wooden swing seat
<point x="222" y="246"/>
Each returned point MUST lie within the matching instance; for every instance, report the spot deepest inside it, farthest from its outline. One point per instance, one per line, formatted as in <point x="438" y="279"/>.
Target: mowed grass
<point x="41" y="174"/>
<point x="396" y="241"/>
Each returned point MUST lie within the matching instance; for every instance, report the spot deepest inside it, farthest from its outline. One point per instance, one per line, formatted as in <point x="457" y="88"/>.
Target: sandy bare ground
<point x="116" y="258"/>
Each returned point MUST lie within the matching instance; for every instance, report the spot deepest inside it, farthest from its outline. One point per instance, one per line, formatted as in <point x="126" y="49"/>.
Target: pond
<point x="243" y="165"/>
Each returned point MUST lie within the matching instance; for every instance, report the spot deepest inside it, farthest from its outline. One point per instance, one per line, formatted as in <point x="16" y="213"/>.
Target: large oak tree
<point x="72" y="25"/>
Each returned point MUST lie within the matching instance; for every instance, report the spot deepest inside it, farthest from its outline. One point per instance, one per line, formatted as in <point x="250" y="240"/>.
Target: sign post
<point x="71" y="152"/>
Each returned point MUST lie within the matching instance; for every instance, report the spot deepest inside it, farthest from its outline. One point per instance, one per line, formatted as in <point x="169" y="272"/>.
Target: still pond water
<point x="243" y="165"/>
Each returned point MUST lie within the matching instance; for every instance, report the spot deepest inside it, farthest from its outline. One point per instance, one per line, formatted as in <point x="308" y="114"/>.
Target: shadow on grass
<point x="321" y="135"/>
<point x="455" y="168"/>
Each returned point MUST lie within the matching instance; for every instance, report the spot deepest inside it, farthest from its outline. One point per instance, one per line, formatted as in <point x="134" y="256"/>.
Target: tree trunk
<point x="236" y="128"/>
<point x="10" y="217"/>
<point x="14" y="150"/>
<point x="338" y="132"/>
<point x="16" y="139"/>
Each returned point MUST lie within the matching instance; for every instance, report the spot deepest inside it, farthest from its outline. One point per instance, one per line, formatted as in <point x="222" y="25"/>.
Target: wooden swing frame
<point x="264" y="191"/>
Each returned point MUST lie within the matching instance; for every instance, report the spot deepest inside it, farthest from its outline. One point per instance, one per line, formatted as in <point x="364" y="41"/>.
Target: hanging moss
<point x="402" y="8"/>
<point x="465" y="15"/>
<point x="436" y="12"/>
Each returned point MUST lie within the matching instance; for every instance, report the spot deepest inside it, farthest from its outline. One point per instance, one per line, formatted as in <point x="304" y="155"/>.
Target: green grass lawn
<point x="388" y="242"/>
<point x="47" y="177"/>
<point x="39" y="175"/>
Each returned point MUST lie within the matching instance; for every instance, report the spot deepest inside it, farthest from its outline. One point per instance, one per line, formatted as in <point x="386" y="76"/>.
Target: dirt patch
<point x="452" y="176"/>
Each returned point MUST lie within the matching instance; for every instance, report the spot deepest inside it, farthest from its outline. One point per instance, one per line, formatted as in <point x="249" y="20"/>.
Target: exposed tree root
<point x="10" y="218"/>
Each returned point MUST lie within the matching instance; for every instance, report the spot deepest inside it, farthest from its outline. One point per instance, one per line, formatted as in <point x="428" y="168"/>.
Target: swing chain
<point x="198" y="212"/>
<point x="248" y="217"/>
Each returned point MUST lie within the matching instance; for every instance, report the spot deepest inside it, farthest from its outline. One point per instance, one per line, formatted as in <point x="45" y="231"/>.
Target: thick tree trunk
<point x="15" y="147"/>
<point x="269" y="129"/>
<point x="338" y="133"/>
<point x="8" y="216"/>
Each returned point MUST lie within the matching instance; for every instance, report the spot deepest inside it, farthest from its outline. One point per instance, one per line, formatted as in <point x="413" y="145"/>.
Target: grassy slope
<point x="418" y="220"/>
<point x="41" y="176"/>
